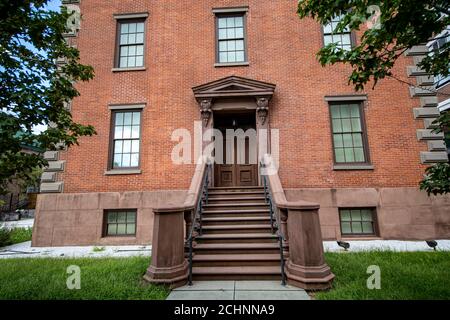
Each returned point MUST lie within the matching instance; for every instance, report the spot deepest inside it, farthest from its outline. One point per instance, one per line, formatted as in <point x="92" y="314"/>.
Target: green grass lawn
<point x="416" y="275"/>
<point x="45" y="278"/>
<point x="19" y="235"/>
<point x="404" y="275"/>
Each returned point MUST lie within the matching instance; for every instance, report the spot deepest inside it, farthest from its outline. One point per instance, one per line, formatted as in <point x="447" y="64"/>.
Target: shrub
<point x="5" y="236"/>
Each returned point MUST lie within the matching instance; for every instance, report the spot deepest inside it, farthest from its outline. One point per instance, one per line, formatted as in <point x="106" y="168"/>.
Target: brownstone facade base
<point x="309" y="278"/>
<point x="401" y="213"/>
<point x="77" y="219"/>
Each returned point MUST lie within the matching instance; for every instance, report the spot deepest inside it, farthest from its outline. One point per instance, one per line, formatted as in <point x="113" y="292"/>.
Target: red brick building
<point x="162" y="65"/>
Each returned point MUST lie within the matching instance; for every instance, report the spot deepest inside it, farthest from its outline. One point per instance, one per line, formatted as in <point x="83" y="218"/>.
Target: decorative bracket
<point x="262" y="109"/>
<point x="205" y="110"/>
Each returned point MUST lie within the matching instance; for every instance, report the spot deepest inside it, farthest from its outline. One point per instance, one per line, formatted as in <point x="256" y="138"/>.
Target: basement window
<point x="358" y="222"/>
<point x="120" y="222"/>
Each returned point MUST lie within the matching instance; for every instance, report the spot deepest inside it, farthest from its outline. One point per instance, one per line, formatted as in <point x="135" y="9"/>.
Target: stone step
<point x="235" y="189"/>
<point x="237" y="238"/>
<point x="234" y="200"/>
<point x="237" y="248"/>
<point x="235" y="194"/>
<point x="235" y="205"/>
<point x="237" y="211"/>
<point x="228" y="260"/>
<point x="209" y="221"/>
<point x="242" y="228"/>
<point x="237" y="273"/>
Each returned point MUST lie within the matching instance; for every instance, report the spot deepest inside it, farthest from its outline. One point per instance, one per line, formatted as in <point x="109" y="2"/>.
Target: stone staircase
<point x="237" y="241"/>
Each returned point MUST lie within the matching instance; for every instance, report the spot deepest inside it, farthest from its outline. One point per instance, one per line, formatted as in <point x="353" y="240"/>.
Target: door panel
<point x="237" y="173"/>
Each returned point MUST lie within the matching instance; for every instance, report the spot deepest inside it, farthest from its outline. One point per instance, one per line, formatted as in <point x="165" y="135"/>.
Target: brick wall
<point x="180" y="54"/>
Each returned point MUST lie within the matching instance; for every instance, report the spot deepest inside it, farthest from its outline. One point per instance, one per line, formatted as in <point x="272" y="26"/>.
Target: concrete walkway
<point x="238" y="290"/>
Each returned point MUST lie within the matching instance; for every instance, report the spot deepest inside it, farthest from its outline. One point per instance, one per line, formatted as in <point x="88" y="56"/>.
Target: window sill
<point x="122" y="172"/>
<point x="128" y="69"/>
<point x="337" y="167"/>
<point x="360" y="238"/>
<point x="233" y="64"/>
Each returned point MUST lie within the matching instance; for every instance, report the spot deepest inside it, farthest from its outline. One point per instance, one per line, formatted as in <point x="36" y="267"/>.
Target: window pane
<point x="112" y="229"/>
<point x="117" y="161"/>
<point x="127" y="118"/>
<point x="132" y="50"/>
<point x="335" y="113"/>
<point x="356" y="124"/>
<point x="349" y="156"/>
<point x="240" y="45"/>
<point x="119" y="119"/>
<point x="135" y="146"/>
<point x="337" y="126"/>
<point x="121" y="216"/>
<point x="139" y="38"/>
<point x="345" y="215"/>
<point x="140" y="27"/>
<point x="230" y="22"/>
<point x="123" y="62"/>
<point x="118" y="147"/>
<point x="140" y="50"/>
<point x="356" y="215"/>
<point x="139" y="61"/>
<point x="338" y="142"/>
<point x="346" y="125"/>
<point x="239" y="32"/>
<point x="346" y="39"/>
<point x="127" y="146"/>
<point x="367" y="227"/>
<point x="223" y="57"/>
<point x="359" y="155"/>
<point x="121" y="228"/>
<point x="354" y="110"/>
<point x="327" y="28"/>
<point x="239" y="21"/>
<point x="126" y="160"/>
<point x="132" y="28"/>
<point x="230" y="33"/>
<point x="131" y="228"/>
<point x="222" y="33"/>
<point x="240" y="57"/>
<point x="135" y="132"/>
<point x="222" y="23"/>
<point x="118" y="131"/>
<point x="346" y="228"/>
<point x="345" y="111"/>
<point x="136" y="118"/>
<point x="132" y="38"/>
<point x="231" y="56"/>
<point x="124" y="51"/>
<point x="134" y="160"/>
<point x="231" y="45"/>
<point x="124" y="28"/>
<point x="356" y="227"/>
<point x="366" y="215"/>
<point x="126" y="132"/>
<point x="131" y="61"/>
<point x="112" y="217"/>
<point x="222" y="46"/>
<point x="348" y="142"/>
<point x="340" y="157"/>
<point x="327" y="40"/>
<point x="131" y="217"/>
<point x="124" y="39"/>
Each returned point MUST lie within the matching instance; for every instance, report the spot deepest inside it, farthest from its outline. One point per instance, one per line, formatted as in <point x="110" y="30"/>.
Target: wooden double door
<point x="239" y="167"/>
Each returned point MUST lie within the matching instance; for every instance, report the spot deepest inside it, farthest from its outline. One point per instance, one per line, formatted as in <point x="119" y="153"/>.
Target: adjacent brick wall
<point x="180" y="53"/>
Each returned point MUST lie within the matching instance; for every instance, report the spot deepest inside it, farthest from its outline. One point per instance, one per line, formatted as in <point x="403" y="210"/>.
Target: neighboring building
<point x="17" y="197"/>
<point x="162" y="65"/>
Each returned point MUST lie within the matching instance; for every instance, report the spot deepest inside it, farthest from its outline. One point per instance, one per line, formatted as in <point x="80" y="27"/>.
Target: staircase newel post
<point x="306" y="267"/>
<point x="168" y="264"/>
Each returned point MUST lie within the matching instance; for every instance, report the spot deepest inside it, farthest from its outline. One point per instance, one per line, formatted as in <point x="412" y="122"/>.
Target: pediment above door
<point x="234" y="86"/>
